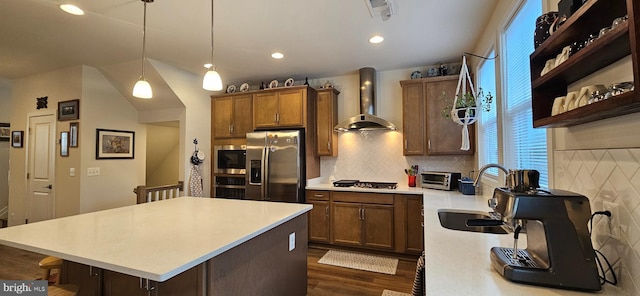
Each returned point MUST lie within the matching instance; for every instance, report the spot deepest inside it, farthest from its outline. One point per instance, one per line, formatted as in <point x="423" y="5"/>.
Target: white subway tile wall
<point x="377" y="156"/>
<point x="610" y="178"/>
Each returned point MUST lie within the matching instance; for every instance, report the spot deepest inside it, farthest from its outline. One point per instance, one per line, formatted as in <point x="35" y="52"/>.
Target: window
<point x="487" y="122"/>
<point x="524" y="147"/>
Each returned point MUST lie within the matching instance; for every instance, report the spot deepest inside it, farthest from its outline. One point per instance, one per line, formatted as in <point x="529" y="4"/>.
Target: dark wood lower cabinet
<point x="377" y="221"/>
<point x="87" y="278"/>
<point x="347" y="226"/>
<point x="94" y="281"/>
<point x="319" y="222"/>
<point x="363" y="220"/>
<point x="415" y="229"/>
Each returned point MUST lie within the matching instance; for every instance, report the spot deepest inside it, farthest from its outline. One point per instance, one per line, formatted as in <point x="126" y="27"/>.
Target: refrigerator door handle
<point x="264" y="194"/>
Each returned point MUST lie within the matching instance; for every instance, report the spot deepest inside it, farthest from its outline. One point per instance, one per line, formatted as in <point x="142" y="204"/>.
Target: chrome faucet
<point x="488" y="166"/>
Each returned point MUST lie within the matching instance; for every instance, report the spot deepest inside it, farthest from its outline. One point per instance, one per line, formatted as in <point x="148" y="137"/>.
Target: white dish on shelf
<point x="273" y="84"/>
<point x="288" y="82"/>
<point x="231" y="89"/>
<point x="244" y="87"/>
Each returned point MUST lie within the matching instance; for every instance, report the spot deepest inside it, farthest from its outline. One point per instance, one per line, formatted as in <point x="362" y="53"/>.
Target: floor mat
<point x="380" y="264"/>
<point x="394" y="293"/>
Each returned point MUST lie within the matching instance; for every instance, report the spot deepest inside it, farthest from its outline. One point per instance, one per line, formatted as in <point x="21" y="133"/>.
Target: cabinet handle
<point x="329" y="145"/>
<point x="147" y="285"/>
<point x="429" y="144"/>
<point x="359" y="214"/>
<point x="277" y="117"/>
<point x="363" y="218"/>
<point x="91" y="273"/>
<point x="318" y="195"/>
<point x="232" y="128"/>
<point x="406" y="144"/>
<point x="326" y="211"/>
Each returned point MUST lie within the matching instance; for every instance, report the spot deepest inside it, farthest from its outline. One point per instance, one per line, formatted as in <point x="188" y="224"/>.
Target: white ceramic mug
<point x="558" y="106"/>
<point x="586" y="92"/>
<point x="563" y="56"/>
<point x="570" y="102"/>
<point x="548" y="66"/>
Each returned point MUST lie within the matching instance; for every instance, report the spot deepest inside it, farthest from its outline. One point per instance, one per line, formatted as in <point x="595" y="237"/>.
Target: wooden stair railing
<point x="155" y="193"/>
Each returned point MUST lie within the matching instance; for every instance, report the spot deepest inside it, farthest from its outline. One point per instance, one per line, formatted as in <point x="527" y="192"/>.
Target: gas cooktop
<point x="365" y="184"/>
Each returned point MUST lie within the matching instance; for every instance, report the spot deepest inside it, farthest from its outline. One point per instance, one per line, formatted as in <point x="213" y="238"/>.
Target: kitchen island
<point x="458" y="262"/>
<point x="224" y="247"/>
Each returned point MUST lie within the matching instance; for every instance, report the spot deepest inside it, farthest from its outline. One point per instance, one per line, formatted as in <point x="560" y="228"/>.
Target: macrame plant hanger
<point x="470" y="113"/>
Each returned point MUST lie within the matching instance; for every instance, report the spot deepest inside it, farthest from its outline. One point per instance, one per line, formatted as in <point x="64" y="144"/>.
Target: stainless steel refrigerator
<point x="275" y="166"/>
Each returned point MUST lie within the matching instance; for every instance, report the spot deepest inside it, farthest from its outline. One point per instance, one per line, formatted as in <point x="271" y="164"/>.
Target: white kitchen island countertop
<point x="457" y="262"/>
<point x="155" y="240"/>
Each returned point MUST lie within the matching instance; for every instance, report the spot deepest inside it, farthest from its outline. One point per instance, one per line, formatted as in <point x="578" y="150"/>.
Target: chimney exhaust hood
<point x="366" y="120"/>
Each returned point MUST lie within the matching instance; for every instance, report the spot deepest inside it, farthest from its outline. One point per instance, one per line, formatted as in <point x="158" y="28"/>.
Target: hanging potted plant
<point x="466" y="105"/>
<point x="463" y="107"/>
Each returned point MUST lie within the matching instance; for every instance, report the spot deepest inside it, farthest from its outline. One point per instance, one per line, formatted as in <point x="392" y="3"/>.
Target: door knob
<point x="50" y="186"/>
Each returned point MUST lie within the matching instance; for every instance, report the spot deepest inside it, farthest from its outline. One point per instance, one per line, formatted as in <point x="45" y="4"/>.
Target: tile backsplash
<point x="610" y="178"/>
<point x="377" y="156"/>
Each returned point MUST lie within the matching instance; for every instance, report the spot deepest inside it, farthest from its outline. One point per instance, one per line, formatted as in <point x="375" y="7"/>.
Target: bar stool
<point x="63" y="290"/>
<point x="48" y="264"/>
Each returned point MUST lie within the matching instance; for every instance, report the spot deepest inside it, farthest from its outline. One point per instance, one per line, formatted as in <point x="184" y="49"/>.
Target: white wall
<point x="163" y="153"/>
<point x="5" y="111"/>
<point x="104" y="107"/>
<point x="195" y="122"/>
<point x="59" y="85"/>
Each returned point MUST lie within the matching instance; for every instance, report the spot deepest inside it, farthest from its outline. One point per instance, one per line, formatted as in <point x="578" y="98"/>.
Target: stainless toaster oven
<point x="440" y="180"/>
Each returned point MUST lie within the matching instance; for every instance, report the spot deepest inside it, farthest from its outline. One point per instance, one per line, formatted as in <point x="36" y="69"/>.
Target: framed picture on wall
<point x="73" y="134"/>
<point x="5" y="133"/>
<point x="114" y="144"/>
<point x="69" y="110"/>
<point x="16" y="139"/>
<point x="64" y="144"/>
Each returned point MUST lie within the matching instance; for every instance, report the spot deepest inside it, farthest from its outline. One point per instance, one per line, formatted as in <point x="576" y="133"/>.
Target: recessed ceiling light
<point x="71" y="9"/>
<point x="277" y="55"/>
<point x="208" y="65"/>
<point x="376" y="39"/>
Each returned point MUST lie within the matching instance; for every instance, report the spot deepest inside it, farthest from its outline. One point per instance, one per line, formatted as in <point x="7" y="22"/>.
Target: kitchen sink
<point x="457" y="220"/>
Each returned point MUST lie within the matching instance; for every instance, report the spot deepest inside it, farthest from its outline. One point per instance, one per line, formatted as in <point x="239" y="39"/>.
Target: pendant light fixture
<point x="142" y="88"/>
<point x="212" y="80"/>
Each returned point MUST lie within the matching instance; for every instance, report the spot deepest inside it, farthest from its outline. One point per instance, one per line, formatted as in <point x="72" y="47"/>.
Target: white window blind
<point x="524" y="146"/>
<point x="487" y="122"/>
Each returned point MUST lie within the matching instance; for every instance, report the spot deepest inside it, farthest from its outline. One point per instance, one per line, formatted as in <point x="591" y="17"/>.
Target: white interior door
<point x="42" y="147"/>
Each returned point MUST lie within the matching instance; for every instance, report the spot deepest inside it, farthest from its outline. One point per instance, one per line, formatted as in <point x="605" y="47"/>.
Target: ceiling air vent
<point x="381" y="8"/>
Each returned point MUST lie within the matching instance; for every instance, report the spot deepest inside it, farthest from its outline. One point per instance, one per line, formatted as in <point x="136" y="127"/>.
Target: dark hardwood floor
<point x="327" y="280"/>
<point x="16" y="264"/>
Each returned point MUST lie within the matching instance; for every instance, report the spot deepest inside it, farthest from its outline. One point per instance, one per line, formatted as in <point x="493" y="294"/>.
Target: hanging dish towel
<point x="195" y="181"/>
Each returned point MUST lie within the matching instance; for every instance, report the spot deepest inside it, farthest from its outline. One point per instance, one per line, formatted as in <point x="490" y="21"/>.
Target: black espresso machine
<point x="559" y="252"/>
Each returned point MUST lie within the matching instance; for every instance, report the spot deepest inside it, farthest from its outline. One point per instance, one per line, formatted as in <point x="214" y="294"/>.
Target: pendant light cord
<point x="144" y="35"/>
<point x="212" y="66"/>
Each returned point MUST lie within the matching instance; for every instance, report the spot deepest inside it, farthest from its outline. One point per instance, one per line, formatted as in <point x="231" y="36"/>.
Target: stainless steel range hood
<point x="366" y="120"/>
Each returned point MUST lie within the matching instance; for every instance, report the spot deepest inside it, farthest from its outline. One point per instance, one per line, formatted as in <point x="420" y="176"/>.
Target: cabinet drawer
<point x="359" y="197"/>
<point x="318" y="195"/>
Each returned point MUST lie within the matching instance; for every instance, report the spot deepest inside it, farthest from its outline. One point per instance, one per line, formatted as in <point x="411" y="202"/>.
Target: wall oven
<point x="229" y="163"/>
<point x="230" y="159"/>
